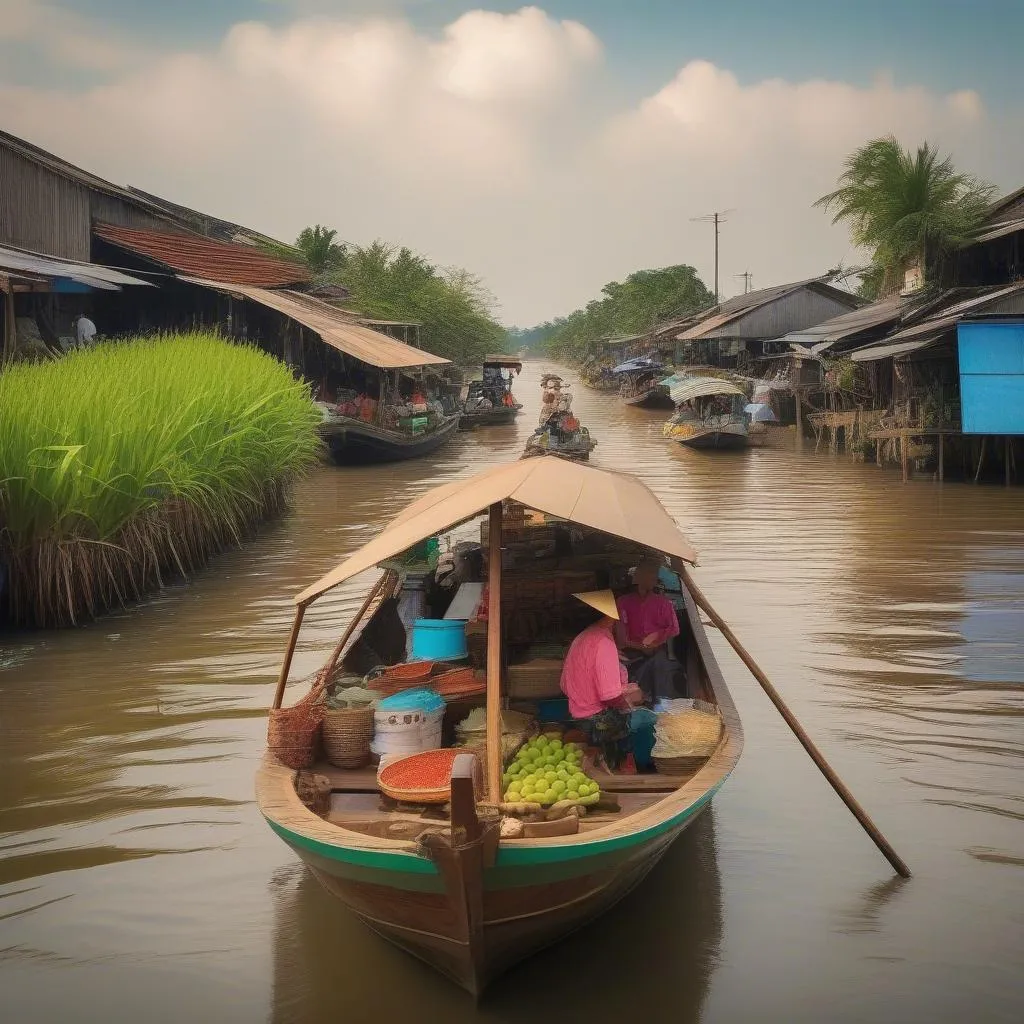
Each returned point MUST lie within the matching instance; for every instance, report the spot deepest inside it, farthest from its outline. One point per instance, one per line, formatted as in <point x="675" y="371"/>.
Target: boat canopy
<point x="613" y="503"/>
<point x="507" y="362"/>
<point x="640" y="363"/>
<point x="682" y="390"/>
<point x="759" y="412"/>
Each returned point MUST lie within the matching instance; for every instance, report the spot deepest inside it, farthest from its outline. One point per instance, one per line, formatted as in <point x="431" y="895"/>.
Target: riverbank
<point x="131" y="461"/>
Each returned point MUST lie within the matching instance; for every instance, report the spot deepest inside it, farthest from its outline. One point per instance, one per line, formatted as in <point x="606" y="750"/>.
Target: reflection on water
<point x="137" y="879"/>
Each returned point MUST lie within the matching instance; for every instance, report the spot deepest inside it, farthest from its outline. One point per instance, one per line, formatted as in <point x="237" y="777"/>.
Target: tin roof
<point x="205" y="258"/>
<point x="36" y="266"/>
<point x="846" y="325"/>
<point x="335" y="327"/>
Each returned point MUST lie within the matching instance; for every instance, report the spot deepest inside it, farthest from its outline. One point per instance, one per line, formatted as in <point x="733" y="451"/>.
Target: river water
<point x="139" y="883"/>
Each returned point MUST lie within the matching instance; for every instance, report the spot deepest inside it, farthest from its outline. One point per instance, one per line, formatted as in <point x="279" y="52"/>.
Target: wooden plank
<point x="648" y="783"/>
<point x="493" y="781"/>
<point x="348" y="780"/>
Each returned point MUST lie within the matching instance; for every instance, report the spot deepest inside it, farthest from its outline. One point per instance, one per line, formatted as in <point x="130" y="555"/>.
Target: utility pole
<point x="718" y="217"/>
<point x="746" y="275"/>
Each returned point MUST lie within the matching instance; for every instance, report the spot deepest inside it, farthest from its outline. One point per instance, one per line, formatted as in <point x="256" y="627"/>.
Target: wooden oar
<point x="791" y="720"/>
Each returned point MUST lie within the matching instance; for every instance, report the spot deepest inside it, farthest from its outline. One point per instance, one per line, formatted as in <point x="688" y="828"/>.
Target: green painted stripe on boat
<point x="508" y="856"/>
<point x="409" y="863"/>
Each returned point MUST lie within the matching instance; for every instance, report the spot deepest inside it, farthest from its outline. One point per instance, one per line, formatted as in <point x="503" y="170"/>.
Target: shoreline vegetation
<point x="136" y="460"/>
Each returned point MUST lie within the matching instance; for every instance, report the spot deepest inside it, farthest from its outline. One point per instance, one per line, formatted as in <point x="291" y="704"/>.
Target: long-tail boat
<point x="489" y="401"/>
<point x="451" y="887"/>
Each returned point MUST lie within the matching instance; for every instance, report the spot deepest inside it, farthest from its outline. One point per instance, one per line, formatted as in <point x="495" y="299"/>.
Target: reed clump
<point x="137" y="459"/>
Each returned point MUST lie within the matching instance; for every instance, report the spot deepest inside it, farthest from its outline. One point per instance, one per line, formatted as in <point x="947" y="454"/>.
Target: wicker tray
<point x="535" y="680"/>
<point x="423" y="778"/>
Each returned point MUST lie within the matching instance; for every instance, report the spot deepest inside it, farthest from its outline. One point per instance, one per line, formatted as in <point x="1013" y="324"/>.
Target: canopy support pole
<point x="287" y="664"/>
<point x="798" y="730"/>
<point x="493" y="748"/>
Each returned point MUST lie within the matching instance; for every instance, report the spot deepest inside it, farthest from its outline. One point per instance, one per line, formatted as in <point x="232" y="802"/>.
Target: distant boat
<point x="640" y="383"/>
<point x="559" y="431"/>
<point x="709" y="412"/>
<point x="489" y="401"/>
<point x="356" y="441"/>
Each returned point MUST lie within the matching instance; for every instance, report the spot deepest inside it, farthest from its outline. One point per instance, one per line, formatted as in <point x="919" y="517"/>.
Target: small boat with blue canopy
<point x="640" y="383"/>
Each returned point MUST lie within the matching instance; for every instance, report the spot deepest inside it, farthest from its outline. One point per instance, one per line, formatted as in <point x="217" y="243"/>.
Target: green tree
<point x="906" y="207"/>
<point x="320" y="251"/>
<point x="645" y="299"/>
<point x="454" y="310"/>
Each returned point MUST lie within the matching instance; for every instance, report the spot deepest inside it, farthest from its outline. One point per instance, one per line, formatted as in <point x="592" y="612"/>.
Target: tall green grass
<point x="132" y="459"/>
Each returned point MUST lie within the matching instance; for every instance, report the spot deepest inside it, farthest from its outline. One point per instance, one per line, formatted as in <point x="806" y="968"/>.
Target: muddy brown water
<point x="139" y="883"/>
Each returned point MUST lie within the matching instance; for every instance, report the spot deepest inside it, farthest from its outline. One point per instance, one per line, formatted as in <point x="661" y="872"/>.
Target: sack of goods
<point x="686" y="734"/>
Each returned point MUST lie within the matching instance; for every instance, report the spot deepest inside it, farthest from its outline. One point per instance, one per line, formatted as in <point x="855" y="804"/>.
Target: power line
<point x="747" y="277"/>
<point x="718" y="217"/>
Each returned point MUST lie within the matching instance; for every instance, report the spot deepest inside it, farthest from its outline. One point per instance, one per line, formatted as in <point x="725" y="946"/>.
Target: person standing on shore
<point x="85" y="330"/>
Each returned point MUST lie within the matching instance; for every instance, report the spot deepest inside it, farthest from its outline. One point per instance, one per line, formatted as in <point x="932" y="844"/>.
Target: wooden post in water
<point x="494" y="654"/>
<point x="942" y="455"/>
<point x="798" y="730"/>
<point x="799" y="418"/>
<point x="1006" y="454"/>
<point x="903" y="454"/>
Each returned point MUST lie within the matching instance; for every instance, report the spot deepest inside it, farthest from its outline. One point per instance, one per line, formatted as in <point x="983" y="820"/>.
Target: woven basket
<point x="458" y="682"/>
<point x="347" y="733"/>
<point x="424" y="778"/>
<point x="535" y="679"/>
<point x="292" y="733"/>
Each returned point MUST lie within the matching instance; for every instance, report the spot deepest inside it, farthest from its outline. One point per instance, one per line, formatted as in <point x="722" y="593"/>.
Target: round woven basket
<point x="292" y="733"/>
<point x="423" y="778"/>
<point x="347" y="733"/>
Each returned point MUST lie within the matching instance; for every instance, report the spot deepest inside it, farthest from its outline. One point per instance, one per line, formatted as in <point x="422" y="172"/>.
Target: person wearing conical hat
<point x="595" y="681"/>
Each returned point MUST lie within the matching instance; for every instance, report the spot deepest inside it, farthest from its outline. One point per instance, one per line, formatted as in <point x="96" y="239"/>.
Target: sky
<point x="549" y="149"/>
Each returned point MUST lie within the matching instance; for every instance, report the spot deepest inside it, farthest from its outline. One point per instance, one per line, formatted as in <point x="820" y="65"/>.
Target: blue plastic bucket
<point x="438" y="639"/>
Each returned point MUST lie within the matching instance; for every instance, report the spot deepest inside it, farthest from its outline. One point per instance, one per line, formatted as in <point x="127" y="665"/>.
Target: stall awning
<point x="335" y="327"/>
<point x="612" y="503"/>
<point x="700" y="387"/>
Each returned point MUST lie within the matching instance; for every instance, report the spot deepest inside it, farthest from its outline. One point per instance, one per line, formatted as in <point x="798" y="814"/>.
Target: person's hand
<point x="633" y="696"/>
<point x="650" y="642"/>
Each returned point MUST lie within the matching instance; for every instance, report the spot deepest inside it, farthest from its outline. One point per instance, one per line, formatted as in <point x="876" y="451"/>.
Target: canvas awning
<point x="699" y="387"/>
<point x="335" y="327"/>
<point x="509" y="362"/>
<point x="636" y="365"/>
<point x="612" y="503"/>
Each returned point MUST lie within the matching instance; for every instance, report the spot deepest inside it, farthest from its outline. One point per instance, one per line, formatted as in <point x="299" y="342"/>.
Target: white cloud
<point x="488" y="146"/>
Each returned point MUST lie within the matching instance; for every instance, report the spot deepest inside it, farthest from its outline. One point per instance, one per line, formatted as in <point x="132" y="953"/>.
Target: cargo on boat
<point x="432" y="778"/>
<point x="489" y="401"/>
<point x="559" y="432"/>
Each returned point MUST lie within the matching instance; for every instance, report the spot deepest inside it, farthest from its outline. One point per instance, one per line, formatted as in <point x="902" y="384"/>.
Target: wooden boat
<point x="644" y="389"/>
<point x="352" y="441"/>
<point x="496" y="389"/>
<point x="709" y="413"/>
<point x="559" y="432"/>
<point x="450" y="888"/>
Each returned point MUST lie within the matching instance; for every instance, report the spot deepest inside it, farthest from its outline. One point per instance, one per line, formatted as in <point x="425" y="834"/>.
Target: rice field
<point x="134" y="460"/>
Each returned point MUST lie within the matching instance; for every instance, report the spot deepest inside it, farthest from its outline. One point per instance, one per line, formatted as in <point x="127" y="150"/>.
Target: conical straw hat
<point x="602" y="600"/>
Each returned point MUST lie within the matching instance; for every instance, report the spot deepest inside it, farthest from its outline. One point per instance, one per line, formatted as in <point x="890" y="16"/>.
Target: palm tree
<point x="908" y="208"/>
<point x="319" y="249"/>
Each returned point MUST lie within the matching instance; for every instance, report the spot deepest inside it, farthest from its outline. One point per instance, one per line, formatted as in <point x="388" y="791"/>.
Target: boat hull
<point x="655" y="398"/>
<point x="529" y="898"/>
<point x="498" y="417"/>
<point x="360" y="444"/>
<point x="718" y="439"/>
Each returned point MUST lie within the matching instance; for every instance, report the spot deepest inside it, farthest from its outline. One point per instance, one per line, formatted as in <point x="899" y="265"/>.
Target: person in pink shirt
<point x="648" y="623"/>
<point x="595" y="681"/>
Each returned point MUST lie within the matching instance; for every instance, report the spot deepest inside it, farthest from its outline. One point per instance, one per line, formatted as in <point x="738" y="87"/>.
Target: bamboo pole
<point x="287" y="663"/>
<point x="1007" y="459"/>
<point x="942" y="457"/>
<point x="494" y="655"/>
<point x="357" y="618"/>
<point x="791" y="720"/>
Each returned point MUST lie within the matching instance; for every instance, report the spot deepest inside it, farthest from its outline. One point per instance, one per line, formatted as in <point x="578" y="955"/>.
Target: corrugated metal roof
<point x="932" y="329"/>
<point x="335" y="329"/>
<point x="205" y="258"/>
<point x="1010" y="227"/>
<point x="699" y="387"/>
<point x="742" y="305"/>
<point x="847" y="324"/>
<point x="902" y="348"/>
<point x="39" y="266"/>
<point x="498" y="359"/>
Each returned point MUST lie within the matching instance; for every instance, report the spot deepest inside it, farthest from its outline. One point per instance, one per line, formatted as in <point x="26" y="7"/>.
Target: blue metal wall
<point x="991" y="377"/>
